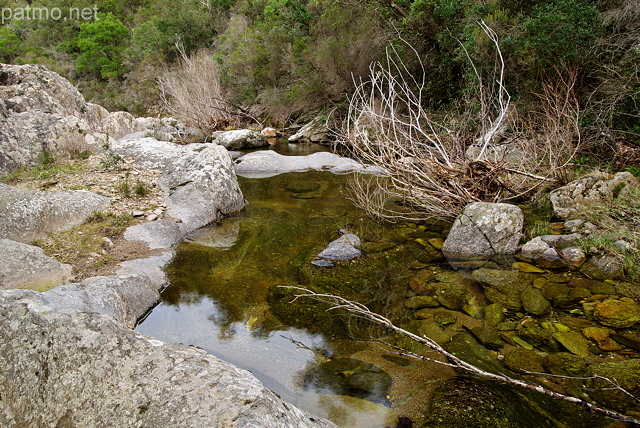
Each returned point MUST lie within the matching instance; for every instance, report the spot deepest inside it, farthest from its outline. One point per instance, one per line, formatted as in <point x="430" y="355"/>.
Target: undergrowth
<point x="86" y="240"/>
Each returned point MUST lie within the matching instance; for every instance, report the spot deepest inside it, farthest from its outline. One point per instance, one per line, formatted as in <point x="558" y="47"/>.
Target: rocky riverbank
<point x="547" y="306"/>
<point x="69" y="356"/>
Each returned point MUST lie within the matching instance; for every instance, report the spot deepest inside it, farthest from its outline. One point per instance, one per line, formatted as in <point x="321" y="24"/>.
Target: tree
<point x="101" y="45"/>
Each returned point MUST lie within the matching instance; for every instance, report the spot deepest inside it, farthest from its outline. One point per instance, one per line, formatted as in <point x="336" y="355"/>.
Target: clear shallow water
<point x="221" y="298"/>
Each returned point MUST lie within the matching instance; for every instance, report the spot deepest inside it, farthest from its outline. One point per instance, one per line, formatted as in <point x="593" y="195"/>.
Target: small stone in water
<point x="322" y="263"/>
<point x="526" y="267"/>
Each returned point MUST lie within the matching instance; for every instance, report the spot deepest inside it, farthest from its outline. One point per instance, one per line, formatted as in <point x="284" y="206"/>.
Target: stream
<point x="221" y="299"/>
<point x="230" y="295"/>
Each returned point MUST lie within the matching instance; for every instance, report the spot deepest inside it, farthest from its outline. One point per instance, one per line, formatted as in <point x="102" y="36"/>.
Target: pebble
<point x="152" y="217"/>
<point x="138" y="213"/>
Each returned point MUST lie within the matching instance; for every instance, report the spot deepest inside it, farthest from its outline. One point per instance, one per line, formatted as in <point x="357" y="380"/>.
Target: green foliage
<point x="101" y="45"/>
<point x="9" y="45"/>
<point x="562" y="30"/>
<point x="140" y="189"/>
<point x="125" y="187"/>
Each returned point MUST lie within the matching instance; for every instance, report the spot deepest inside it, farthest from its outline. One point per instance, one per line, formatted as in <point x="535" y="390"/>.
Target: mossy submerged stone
<point x="418" y="302"/>
<point x="534" y="302"/>
<point x="626" y="373"/>
<point x="574" y="342"/>
<point x="493" y="315"/>
<point x="565" y="364"/>
<point x="488" y="336"/>
<point x="348" y="376"/>
<point x="506" y="281"/>
<point x="617" y="313"/>
<point x="551" y="290"/>
<point x="539" y="337"/>
<point x="468" y="402"/>
<point x="523" y="360"/>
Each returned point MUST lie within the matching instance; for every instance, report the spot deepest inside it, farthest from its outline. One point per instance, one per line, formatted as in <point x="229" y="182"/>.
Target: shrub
<point x="194" y="94"/>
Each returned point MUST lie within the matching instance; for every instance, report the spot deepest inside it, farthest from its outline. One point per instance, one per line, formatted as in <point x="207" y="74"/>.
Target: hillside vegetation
<point x="277" y="59"/>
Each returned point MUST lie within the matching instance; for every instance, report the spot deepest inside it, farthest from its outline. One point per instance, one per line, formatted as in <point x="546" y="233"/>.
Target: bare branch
<point x="433" y="168"/>
<point x="361" y="310"/>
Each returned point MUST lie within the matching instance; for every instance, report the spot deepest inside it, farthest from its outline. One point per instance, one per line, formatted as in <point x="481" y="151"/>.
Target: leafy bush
<point x="101" y="45"/>
<point x="194" y="94"/>
<point x="562" y="31"/>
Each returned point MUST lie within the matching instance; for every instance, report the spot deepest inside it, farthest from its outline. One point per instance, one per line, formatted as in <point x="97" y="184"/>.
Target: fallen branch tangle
<point x="362" y="311"/>
<point x="431" y="162"/>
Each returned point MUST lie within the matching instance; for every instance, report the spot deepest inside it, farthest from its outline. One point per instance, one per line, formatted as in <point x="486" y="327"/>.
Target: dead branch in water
<point x="361" y="311"/>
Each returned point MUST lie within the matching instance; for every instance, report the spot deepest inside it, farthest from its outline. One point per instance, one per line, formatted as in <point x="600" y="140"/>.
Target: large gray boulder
<point x="199" y="183"/>
<point x="240" y="139"/>
<point x="596" y="188"/>
<point x="315" y="131"/>
<point x="148" y="152"/>
<point x="88" y="369"/>
<point x="41" y="110"/>
<point x="484" y="230"/>
<point x="34" y="87"/>
<point x="200" y="187"/>
<point x="26" y="214"/>
<point x="26" y="266"/>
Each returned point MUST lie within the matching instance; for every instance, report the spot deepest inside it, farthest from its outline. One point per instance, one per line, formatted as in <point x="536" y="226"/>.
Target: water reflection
<point x="225" y="297"/>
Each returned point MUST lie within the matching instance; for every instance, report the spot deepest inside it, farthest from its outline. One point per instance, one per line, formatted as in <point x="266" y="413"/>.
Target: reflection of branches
<point x="361" y="311"/>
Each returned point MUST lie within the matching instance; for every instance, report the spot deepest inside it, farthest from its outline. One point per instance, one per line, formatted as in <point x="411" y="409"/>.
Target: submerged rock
<point x="469" y="402"/>
<point x="565" y="364"/>
<point x="626" y="374"/>
<point x="534" y="302"/>
<point x="574" y="342"/>
<point x="349" y="411"/>
<point x="349" y="376"/>
<point x="484" y="230"/>
<point x="617" y="313"/>
<point x="524" y="360"/>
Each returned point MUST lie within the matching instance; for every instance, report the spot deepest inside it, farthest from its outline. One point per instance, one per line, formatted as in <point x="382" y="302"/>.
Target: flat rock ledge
<point x="89" y="369"/>
<point x="26" y="266"/>
<point x="266" y="163"/>
<point x="26" y="214"/>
